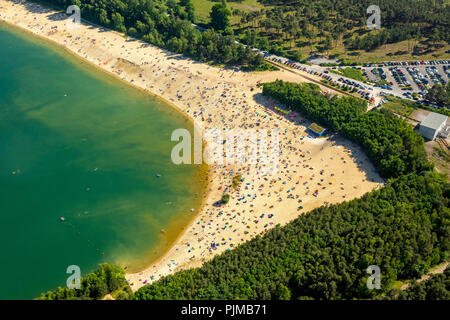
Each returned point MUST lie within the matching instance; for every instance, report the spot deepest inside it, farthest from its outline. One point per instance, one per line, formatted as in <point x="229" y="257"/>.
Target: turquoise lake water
<point x="77" y="143"/>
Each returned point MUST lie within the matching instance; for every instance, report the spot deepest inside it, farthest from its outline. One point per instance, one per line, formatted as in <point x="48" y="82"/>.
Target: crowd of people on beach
<point x="309" y="171"/>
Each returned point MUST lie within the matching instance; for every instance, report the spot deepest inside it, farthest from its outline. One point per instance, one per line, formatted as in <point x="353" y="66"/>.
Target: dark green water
<point x="92" y="157"/>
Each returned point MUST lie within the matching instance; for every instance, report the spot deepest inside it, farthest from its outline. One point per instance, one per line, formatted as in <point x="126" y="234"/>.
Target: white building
<point x="431" y="125"/>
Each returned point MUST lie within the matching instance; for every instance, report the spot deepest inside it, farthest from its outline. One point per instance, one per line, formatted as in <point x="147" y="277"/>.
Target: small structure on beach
<point x="432" y="124"/>
<point x="316" y="129"/>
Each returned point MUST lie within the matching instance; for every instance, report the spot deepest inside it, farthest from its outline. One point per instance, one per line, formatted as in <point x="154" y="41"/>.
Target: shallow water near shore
<point x="77" y="143"/>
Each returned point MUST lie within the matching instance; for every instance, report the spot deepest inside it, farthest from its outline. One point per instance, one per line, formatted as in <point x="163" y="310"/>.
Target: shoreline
<point x="207" y="169"/>
<point x="181" y="233"/>
<point x="99" y="68"/>
<point x="225" y="99"/>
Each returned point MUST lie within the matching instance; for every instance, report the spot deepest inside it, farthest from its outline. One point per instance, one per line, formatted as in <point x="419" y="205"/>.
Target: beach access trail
<point x="311" y="172"/>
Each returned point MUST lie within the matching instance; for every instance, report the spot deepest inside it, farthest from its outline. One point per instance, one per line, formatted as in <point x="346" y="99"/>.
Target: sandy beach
<point x="312" y="171"/>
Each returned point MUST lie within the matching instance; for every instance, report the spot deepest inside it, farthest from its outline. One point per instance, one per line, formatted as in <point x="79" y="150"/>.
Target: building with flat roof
<point x="431" y="125"/>
<point x="316" y="129"/>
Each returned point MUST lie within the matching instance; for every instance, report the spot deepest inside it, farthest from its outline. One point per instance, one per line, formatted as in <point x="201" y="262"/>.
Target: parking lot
<point x="350" y="85"/>
<point x="408" y="78"/>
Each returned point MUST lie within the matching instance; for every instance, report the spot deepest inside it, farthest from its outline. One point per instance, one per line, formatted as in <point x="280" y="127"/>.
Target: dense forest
<point x="325" y="24"/>
<point x="167" y="24"/>
<point x="403" y="228"/>
<point x="390" y="143"/>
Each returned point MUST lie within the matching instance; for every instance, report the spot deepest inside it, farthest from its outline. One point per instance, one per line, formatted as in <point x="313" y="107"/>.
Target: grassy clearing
<point x="402" y="107"/>
<point x="392" y="52"/>
<point x="398" y="284"/>
<point x="439" y="157"/>
<point x="350" y="73"/>
<point x="203" y="8"/>
<point x="441" y="154"/>
<point x="400" y="51"/>
<point x="247" y="5"/>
